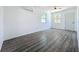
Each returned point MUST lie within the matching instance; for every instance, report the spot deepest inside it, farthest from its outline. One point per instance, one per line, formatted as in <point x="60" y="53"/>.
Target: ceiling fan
<point x="56" y="7"/>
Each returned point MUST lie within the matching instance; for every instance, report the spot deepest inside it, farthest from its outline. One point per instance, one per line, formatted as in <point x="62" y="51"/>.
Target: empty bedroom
<point x="39" y="29"/>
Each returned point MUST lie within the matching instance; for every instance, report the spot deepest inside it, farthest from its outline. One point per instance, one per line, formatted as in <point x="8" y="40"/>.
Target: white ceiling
<point x="58" y="8"/>
<point x="51" y="8"/>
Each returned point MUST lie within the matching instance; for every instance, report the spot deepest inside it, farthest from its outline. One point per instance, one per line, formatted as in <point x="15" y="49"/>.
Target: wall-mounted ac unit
<point x="28" y="8"/>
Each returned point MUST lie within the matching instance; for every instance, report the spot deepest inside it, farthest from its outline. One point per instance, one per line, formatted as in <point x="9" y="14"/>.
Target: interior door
<point x="70" y="21"/>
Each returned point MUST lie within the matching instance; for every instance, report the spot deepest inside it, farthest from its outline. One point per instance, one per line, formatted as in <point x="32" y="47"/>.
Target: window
<point x="43" y="17"/>
<point x="57" y="18"/>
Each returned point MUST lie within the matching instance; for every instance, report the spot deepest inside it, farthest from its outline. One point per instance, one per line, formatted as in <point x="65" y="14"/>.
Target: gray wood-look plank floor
<point x="51" y="40"/>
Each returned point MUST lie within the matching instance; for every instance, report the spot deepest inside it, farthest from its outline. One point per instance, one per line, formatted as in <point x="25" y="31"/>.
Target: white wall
<point x="78" y="25"/>
<point x="1" y="26"/>
<point x="62" y="13"/>
<point x="72" y="10"/>
<point x="18" y="21"/>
